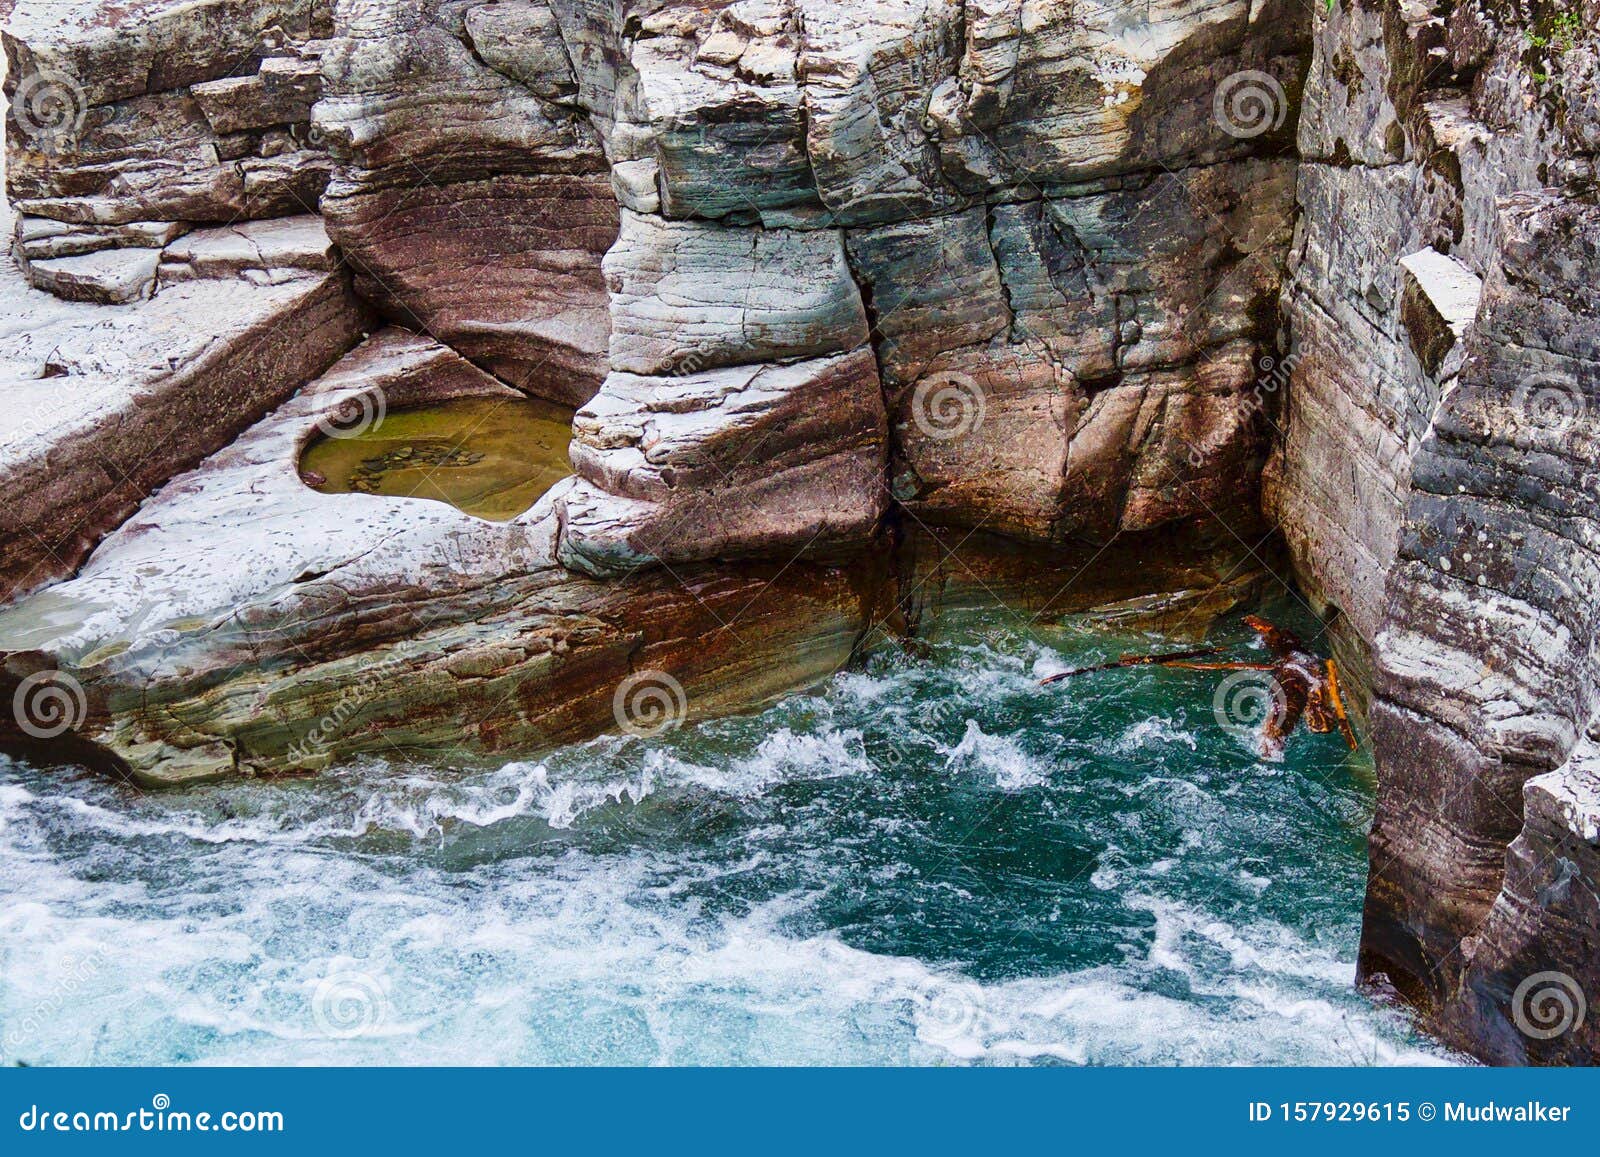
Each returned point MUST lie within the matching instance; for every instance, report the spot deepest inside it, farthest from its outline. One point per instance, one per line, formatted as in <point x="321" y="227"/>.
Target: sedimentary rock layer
<point x="168" y="112"/>
<point x="1069" y="310"/>
<point x="1432" y="481"/>
<point x="1485" y="674"/>
<point x="408" y="624"/>
<point x="1081" y="366"/>
<point x="106" y="403"/>
<point x="775" y="461"/>
<point x="472" y="204"/>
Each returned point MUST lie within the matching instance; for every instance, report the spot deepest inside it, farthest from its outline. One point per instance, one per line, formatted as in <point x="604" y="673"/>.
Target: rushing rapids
<point x="931" y="858"/>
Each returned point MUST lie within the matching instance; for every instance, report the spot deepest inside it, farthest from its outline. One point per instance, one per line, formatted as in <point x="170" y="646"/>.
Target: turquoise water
<point x="929" y="860"/>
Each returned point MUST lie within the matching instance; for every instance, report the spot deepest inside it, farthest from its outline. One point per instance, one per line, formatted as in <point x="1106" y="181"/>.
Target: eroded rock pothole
<point x="489" y="457"/>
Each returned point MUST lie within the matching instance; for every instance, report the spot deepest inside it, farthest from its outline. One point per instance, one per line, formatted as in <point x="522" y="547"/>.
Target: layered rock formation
<point x="473" y="204"/>
<point x="1434" y="481"/>
<point x="106" y="403"/>
<point x="1066" y="306"/>
<point x="868" y="312"/>
<point x="127" y="128"/>
<point x="759" y="242"/>
<point x="369" y="624"/>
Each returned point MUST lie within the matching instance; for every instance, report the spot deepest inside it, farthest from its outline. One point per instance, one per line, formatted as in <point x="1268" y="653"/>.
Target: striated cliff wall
<point x="1062" y="264"/>
<point x="1434" y="478"/>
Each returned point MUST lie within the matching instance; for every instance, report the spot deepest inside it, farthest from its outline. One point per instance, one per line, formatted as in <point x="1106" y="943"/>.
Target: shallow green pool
<point x="491" y="457"/>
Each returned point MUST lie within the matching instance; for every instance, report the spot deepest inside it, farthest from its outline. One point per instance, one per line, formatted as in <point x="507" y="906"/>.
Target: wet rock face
<point x="1486" y="675"/>
<point x="749" y="461"/>
<point x="1098" y="368"/>
<point x="1434" y="482"/>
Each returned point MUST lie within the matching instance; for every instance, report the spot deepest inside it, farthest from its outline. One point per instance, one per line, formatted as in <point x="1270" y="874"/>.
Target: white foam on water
<point x="580" y="961"/>
<point x="1010" y="768"/>
<point x="1257" y="884"/>
<point x="1105" y="877"/>
<point x="384" y="914"/>
<point x="1153" y="733"/>
<point x="378" y="797"/>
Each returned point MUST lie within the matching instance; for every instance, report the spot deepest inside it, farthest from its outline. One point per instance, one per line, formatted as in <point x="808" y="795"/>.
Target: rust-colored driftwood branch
<point x="1308" y="686"/>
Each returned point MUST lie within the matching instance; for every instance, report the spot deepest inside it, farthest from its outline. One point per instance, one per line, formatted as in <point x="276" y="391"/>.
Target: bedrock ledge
<point x="365" y="624"/>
